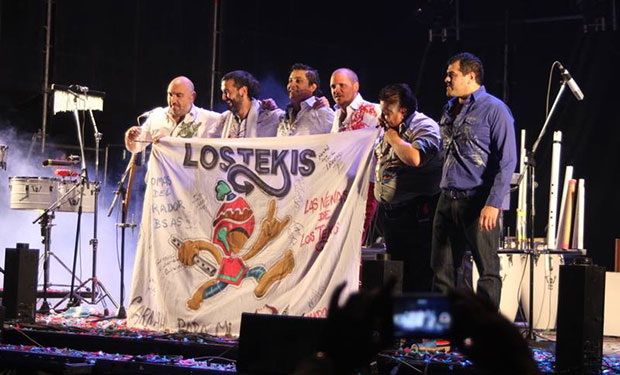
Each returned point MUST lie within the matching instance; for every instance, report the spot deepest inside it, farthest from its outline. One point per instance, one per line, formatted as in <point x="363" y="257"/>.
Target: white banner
<point x="267" y="225"/>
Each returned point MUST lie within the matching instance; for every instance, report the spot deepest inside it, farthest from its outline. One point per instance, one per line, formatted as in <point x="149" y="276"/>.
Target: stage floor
<point x="64" y="343"/>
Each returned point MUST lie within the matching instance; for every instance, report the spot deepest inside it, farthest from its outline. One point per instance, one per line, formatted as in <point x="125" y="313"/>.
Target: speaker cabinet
<point x="276" y="344"/>
<point x="375" y="273"/>
<point x="579" y="345"/>
<point x="20" y="282"/>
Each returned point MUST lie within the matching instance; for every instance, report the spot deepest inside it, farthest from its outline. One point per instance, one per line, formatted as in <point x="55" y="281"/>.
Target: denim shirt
<point x="479" y="147"/>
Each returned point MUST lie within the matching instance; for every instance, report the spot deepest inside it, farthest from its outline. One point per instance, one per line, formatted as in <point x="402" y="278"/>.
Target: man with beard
<point x="302" y="116"/>
<point x="247" y="117"/>
<point x="180" y="119"/>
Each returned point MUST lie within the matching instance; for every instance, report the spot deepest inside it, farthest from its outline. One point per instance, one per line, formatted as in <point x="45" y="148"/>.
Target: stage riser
<point x="29" y="363"/>
<point x="119" y="345"/>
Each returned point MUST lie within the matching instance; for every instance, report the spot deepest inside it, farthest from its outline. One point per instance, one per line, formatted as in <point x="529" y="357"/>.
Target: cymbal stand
<point x="96" y="285"/>
<point x="74" y="299"/>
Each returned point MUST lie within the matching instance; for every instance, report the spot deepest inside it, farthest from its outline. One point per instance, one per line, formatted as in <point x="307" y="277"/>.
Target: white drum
<point x="546" y="285"/>
<point x="72" y="201"/>
<point x="511" y="268"/>
<point x="32" y="193"/>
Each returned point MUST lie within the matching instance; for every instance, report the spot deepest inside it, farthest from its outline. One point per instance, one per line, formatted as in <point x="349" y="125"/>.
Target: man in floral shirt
<point x="352" y="113"/>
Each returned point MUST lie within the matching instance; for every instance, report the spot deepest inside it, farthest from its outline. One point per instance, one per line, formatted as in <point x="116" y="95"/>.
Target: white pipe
<point x="521" y="229"/>
<point x="568" y="175"/>
<point x="579" y="215"/>
<point x="553" y="190"/>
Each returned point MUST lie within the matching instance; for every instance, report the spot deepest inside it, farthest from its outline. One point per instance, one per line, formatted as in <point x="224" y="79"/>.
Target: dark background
<point x="131" y="49"/>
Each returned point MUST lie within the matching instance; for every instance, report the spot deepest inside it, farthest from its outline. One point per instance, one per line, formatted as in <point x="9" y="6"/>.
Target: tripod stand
<point x="46" y="233"/>
<point x="46" y="230"/>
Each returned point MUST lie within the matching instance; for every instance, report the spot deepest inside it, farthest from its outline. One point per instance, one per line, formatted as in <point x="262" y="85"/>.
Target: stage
<point x="80" y="341"/>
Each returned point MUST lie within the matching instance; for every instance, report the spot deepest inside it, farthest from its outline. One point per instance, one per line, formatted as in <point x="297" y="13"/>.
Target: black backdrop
<point x="131" y="49"/>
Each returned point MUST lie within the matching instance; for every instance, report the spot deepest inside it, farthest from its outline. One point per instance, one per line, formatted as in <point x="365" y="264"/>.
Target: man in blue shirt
<point x="479" y="149"/>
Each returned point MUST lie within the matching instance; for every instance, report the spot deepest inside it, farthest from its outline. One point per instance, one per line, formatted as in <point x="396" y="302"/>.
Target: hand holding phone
<point x="421" y="316"/>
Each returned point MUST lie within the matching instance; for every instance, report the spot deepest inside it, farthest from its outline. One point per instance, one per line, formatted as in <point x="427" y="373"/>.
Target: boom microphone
<point x="570" y="82"/>
<point x="59" y="163"/>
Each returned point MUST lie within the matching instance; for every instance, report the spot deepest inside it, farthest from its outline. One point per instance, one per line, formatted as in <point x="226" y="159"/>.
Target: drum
<point x="511" y="270"/>
<point x="32" y="193"/>
<point x="71" y="202"/>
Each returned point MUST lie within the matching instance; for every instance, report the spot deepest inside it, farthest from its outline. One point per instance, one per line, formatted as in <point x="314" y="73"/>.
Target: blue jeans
<point x="454" y="229"/>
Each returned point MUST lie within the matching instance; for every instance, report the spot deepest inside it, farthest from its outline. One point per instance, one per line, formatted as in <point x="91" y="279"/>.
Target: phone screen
<point x="421" y="316"/>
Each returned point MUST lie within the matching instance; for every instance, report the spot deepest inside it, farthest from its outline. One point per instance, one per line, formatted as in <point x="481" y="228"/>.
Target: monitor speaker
<point x="581" y="301"/>
<point x="376" y="273"/>
<point x="20" y="282"/>
<point x="276" y="344"/>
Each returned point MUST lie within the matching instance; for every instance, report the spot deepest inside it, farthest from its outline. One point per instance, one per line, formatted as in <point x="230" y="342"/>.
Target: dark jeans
<point x="407" y="230"/>
<point x="456" y="227"/>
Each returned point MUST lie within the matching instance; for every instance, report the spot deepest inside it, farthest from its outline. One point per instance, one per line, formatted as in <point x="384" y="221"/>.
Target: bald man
<point x="352" y="111"/>
<point x="180" y="119"/>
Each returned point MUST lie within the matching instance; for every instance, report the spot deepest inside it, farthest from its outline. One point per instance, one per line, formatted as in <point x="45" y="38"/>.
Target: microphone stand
<point x="124" y="194"/>
<point x="530" y="165"/>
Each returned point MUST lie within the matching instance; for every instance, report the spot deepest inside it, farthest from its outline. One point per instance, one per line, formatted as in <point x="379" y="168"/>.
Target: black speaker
<point x="581" y="302"/>
<point x="375" y="273"/>
<point x="20" y="282"/>
<point x="275" y="344"/>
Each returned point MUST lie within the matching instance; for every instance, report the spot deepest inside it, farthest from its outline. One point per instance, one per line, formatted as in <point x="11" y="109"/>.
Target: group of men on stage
<point x="440" y="186"/>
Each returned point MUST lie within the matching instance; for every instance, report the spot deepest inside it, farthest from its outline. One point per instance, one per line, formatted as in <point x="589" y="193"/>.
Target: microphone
<point x="570" y="82"/>
<point x="59" y="163"/>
